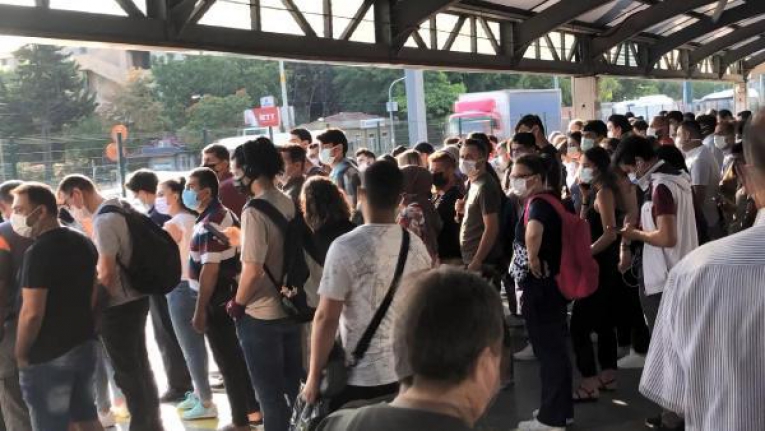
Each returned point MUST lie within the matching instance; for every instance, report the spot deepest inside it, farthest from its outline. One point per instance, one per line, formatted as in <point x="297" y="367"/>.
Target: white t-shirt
<point x="185" y="222"/>
<point x="705" y="172"/>
<point x="358" y="270"/>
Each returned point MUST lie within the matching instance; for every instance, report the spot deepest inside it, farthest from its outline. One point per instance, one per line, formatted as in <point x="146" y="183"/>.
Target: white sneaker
<point x="527" y="354"/>
<point x="622" y="351"/>
<point x="107" y="419"/>
<point x="535" y="425"/>
<point x="633" y="360"/>
<point x="569" y="421"/>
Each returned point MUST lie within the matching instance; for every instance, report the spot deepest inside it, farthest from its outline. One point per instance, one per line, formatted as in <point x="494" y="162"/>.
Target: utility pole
<point x="392" y="107"/>
<point x="286" y="114"/>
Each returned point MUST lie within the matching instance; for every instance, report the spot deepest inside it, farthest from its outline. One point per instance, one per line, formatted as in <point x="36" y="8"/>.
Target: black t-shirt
<point x="383" y="417"/>
<point x="449" y="237"/>
<point x="62" y="261"/>
<point x="551" y="248"/>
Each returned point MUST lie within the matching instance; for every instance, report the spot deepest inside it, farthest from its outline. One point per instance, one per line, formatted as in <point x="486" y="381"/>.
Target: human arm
<point x="325" y="324"/>
<point x="489" y="237"/>
<point x="208" y="279"/>
<point x="251" y="273"/>
<point x="534" y="232"/>
<point x="30" y="321"/>
<point x="108" y="273"/>
<point x="175" y="231"/>
<point x="6" y="283"/>
<point x="665" y="236"/>
<point x="606" y="207"/>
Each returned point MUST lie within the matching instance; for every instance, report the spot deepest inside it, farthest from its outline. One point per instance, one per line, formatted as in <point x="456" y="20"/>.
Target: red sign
<point x="268" y="117"/>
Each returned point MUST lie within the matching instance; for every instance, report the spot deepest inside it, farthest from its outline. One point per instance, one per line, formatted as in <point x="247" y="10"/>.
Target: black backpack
<point x="295" y="270"/>
<point x="155" y="263"/>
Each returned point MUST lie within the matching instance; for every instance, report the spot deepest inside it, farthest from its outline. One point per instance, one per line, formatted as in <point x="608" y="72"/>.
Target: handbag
<point x="306" y="417"/>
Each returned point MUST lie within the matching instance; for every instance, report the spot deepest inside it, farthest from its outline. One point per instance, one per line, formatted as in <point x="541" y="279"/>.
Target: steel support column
<point x="584" y="95"/>
<point x="415" y="106"/>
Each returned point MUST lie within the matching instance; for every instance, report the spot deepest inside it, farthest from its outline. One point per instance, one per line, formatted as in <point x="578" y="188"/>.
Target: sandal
<point x="607" y="385"/>
<point x="588" y="397"/>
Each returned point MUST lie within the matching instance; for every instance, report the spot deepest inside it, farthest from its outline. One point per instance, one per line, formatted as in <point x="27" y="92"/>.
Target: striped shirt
<point x="707" y="355"/>
<point x="206" y="248"/>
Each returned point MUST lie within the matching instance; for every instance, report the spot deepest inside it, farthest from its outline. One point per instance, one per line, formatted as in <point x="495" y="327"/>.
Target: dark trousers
<point x="123" y="333"/>
<point x="178" y="377"/>
<point x="594" y="314"/>
<point x="544" y="310"/>
<point x="352" y="394"/>
<point x="631" y="326"/>
<point x="224" y="344"/>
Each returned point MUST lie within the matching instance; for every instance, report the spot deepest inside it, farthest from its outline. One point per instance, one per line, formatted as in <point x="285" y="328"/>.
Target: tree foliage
<point x="137" y="106"/>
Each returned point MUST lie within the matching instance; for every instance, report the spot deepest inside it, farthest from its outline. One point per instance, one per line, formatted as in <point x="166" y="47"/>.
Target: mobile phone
<point x="220" y="236"/>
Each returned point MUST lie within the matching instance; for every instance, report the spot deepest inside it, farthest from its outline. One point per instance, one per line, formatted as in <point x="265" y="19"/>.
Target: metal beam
<point x="188" y="12"/>
<point x="694" y="31"/>
<point x="129" y="7"/>
<point x="550" y="19"/>
<point x="407" y="15"/>
<point x="617" y="9"/>
<point x="737" y="54"/>
<point x="725" y="42"/>
<point x="755" y="61"/>
<point x="305" y="27"/>
<point x="356" y="20"/>
<point x="641" y="21"/>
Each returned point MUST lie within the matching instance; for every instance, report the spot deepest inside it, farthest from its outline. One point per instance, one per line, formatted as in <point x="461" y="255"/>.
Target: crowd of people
<point x="400" y="259"/>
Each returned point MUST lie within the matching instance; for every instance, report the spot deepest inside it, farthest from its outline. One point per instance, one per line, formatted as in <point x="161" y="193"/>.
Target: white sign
<point x="391" y="106"/>
<point x="267" y="102"/>
<point x="371" y="123"/>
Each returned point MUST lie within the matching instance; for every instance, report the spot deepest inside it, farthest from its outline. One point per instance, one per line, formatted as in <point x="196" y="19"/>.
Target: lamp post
<point x="390" y="111"/>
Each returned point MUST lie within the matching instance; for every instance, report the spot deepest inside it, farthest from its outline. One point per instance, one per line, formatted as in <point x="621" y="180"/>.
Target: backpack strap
<point x="369" y="333"/>
<point x="281" y="223"/>
<point x="555" y="203"/>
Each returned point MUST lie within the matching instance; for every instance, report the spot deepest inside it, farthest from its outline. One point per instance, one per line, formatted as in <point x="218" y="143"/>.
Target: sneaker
<point x="527" y="354"/>
<point x="199" y="411"/>
<point x="622" y="351"/>
<point x="189" y="403"/>
<point x="107" y="419"/>
<point x="569" y="421"/>
<point x="173" y="396"/>
<point x="535" y="425"/>
<point x="633" y="360"/>
<point x="217" y="384"/>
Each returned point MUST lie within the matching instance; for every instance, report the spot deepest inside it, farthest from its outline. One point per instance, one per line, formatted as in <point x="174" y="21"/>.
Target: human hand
<point x="535" y="266"/>
<point x="475" y="266"/>
<point x="199" y="322"/>
<point x="629" y="232"/>
<point x="459" y="207"/>
<point x="625" y="261"/>
<point x="311" y="390"/>
<point x="233" y="234"/>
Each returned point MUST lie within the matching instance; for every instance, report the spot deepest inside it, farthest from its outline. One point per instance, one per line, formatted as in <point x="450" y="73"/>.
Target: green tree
<point x="46" y="92"/>
<point x="440" y="95"/>
<point x="136" y="105"/>
<point x="215" y="113"/>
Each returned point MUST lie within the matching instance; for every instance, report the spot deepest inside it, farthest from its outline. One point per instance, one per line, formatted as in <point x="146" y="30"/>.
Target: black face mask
<point x="439" y="180"/>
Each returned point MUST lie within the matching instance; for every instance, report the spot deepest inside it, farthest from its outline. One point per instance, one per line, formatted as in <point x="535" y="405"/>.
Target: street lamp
<point x="390" y="111"/>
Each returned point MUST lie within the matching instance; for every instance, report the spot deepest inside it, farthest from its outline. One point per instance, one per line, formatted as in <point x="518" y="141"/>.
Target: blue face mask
<point x="190" y="199"/>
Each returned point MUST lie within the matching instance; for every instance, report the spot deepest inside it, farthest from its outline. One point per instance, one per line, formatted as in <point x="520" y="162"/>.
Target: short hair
<point x="640" y="125"/>
<point x="632" y="147"/>
<point x="366" y="152"/>
<point x="383" y="184"/>
<point x="745" y="115"/>
<point x="6" y="190"/>
<point x="388" y="158"/>
<point x="672" y="156"/>
<point x="334" y="136"/>
<point x="530" y="120"/>
<point x="576" y="136"/>
<point x="629" y="115"/>
<point x="483" y="137"/>
<point x="259" y="157"/>
<point x="692" y="126"/>
<point x="219" y="151"/>
<point x="451" y="141"/>
<point x="424" y="148"/>
<point x="443" y="157"/>
<point x="525" y="140"/>
<point x="409" y="158"/>
<point x="494" y="139"/>
<point x="576" y="122"/>
<point x="725" y="128"/>
<point x="323" y="203"/>
<point x="39" y="194"/>
<point x="303" y="134"/>
<point x="207" y="180"/>
<point x="142" y="180"/>
<point x="675" y="116"/>
<point x="398" y="150"/>
<point x="451" y="317"/>
<point x="689" y="116"/>
<point x="707" y="124"/>
<point x="480" y="145"/>
<point x="597" y="127"/>
<point x="76" y="181"/>
<point x="621" y="122"/>
<point x="724" y="113"/>
<point x="295" y="152"/>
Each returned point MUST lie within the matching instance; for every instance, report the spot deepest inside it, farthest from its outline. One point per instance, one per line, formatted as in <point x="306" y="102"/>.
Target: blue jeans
<point x="182" y="302"/>
<point x="273" y="352"/>
<point x="61" y="391"/>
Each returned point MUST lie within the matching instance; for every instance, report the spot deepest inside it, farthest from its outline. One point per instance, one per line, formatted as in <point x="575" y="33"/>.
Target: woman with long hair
<point x="182" y="302"/>
<point x="599" y="190"/>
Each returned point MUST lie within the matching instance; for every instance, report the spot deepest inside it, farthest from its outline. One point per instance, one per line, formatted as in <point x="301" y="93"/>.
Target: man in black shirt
<point x="443" y="165"/>
<point x="291" y="181"/>
<point x="533" y="124"/>
<point x="55" y="347"/>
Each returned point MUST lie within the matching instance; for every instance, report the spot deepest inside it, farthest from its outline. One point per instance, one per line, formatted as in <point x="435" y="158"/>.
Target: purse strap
<point x="369" y="333"/>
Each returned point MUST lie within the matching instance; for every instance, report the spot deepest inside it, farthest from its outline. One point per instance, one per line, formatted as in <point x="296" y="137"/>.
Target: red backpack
<point x="578" y="276"/>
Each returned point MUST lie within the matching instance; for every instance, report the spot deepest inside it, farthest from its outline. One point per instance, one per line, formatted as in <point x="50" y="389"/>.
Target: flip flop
<point x="588" y="397"/>
<point x="607" y="385"/>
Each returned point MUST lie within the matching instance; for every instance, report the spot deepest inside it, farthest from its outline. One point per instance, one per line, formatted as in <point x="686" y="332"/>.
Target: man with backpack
<point x="123" y="320"/>
<point x="270" y="339"/>
<point x="345" y="174"/>
<point x="361" y="269"/>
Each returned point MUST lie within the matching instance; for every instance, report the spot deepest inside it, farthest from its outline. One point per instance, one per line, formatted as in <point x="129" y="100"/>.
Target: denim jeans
<point x="272" y="350"/>
<point x="182" y="302"/>
<point x="61" y="391"/>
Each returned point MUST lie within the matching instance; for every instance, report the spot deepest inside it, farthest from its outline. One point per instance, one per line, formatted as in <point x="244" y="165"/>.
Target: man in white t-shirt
<point x="705" y="174"/>
<point x="357" y="275"/>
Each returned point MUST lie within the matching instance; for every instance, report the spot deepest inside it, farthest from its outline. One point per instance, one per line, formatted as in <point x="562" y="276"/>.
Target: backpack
<point x="295" y="270"/>
<point x="509" y="216"/>
<point x="155" y="263"/>
<point x="578" y="276"/>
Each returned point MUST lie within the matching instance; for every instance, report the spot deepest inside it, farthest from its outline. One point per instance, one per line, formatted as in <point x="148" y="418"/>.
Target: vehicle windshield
<point x="466" y="126"/>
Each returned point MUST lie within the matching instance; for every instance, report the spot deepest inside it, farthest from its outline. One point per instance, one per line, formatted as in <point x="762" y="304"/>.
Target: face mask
<point x="81" y="214"/>
<point x="721" y="142"/>
<point x="326" y="156"/>
<point x="242" y="185"/>
<point x="572" y="151"/>
<point x="439" y="180"/>
<point x="650" y="132"/>
<point x="161" y="206"/>
<point x="586" y="175"/>
<point x="190" y="199"/>
<point x="633" y="177"/>
<point x="519" y="186"/>
<point x="587" y="144"/>
<point x="610" y="135"/>
<point x="20" y="226"/>
<point x="468" y="167"/>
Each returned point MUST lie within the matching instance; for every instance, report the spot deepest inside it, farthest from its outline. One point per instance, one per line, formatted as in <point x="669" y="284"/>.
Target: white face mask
<point x="161" y="206"/>
<point x="650" y="132"/>
<point x="519" y="186"/>
<point x="721" y="142"/>
<point x="326" y="156"/>
<point x="586" y="175"/>
<point x="633" y="177"/>
<point x="572" y="151"/>
<point x="468" y="167"/>
<point x="587" y="144"/>
<point x="20" y="225"/>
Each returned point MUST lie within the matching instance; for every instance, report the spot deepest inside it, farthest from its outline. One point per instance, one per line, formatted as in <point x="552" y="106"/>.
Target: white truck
<point x="497" y="112"/>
